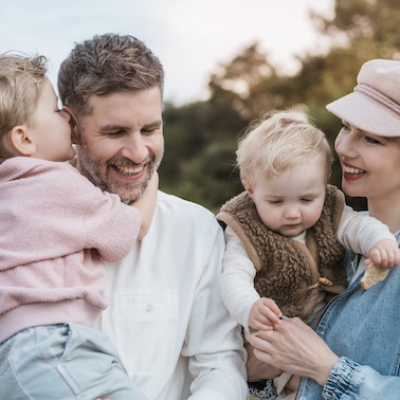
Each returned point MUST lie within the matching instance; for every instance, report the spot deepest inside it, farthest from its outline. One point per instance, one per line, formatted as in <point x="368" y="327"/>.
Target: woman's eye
<point x="369" y="139"/>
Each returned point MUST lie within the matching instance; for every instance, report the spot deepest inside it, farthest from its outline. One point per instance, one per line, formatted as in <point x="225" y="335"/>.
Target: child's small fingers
<point x="376" y="257"/>
<point x="393" y="259"/>
<point x="270" y="315"/>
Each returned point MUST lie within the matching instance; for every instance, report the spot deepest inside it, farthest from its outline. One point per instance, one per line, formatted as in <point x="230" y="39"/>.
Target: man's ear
<point x="248" y="188"/>
<point x="72" y="123"/>
<point x="20" y="142"/>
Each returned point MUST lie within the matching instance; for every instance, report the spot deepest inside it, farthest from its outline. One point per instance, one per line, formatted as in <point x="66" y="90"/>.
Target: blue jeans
<point x="66" y="361"/>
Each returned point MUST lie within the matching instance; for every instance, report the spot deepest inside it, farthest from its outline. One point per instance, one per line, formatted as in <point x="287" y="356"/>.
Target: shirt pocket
<point x="146" y="332"/>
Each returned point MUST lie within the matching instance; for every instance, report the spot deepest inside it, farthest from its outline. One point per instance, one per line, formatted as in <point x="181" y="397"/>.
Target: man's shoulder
<point x="183" y="209"/>
<point x="172" y="201"/>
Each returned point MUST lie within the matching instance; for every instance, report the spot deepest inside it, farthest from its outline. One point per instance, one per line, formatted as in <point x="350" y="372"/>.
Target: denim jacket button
<point x="303" y="398"/>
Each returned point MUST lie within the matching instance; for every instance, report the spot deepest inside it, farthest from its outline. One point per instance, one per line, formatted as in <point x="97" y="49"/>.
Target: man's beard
<point x="98" y="173"/>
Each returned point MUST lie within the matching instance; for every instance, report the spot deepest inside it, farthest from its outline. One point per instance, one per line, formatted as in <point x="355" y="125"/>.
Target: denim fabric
<point x="363" y="328"/>
<point x="67" y="361"/>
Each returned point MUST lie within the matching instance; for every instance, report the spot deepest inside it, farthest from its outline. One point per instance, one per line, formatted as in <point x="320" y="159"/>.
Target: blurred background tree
<point x="201" y="137"/>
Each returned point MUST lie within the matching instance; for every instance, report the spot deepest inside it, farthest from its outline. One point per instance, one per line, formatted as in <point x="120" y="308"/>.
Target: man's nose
<point x="134" y="148"/>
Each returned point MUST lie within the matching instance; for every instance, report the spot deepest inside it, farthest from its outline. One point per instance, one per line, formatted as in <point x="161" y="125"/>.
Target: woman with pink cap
<point x="354" y="353"/>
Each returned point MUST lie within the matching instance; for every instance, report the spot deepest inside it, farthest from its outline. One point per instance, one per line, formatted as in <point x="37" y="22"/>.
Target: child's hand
<point x="146" y="204"/>
<point x="264" y="314"/>
<point x="384" y="254"/>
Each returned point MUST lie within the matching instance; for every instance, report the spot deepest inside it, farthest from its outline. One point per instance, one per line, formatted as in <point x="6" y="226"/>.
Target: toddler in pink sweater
<point x="56" y="229"/>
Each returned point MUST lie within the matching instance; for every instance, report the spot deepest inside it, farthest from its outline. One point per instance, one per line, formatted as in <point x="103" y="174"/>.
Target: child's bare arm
<point x="146" y="204"/>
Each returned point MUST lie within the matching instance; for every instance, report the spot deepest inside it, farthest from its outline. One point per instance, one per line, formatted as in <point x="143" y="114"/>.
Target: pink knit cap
<point x="374" y="106"/>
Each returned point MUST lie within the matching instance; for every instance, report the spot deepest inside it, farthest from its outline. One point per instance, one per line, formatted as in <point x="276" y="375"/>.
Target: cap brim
<point x="366" y="114"/>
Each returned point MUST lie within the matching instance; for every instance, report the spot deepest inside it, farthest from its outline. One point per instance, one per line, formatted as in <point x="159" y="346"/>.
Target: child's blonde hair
<point x="282" y="140"/>
<point x="21" y="82"/>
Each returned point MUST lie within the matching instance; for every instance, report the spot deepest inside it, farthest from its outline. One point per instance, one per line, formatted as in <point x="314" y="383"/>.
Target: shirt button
<point x="303" y="398"/>
<point x="149" y="308"/>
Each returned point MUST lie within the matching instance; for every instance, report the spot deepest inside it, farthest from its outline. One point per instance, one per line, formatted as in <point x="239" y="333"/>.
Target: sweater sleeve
<point x="111" y="226"/>
<point x="108" y="225"/>
<point x="359" y="232"/>
<point x="350" y="380"/>
<point x="237" y="279"/>
<point x="50" y="210"/>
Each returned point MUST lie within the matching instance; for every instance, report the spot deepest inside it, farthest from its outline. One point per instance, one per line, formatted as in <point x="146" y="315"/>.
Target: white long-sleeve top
<point x="165" y="315"/>
<point x="356" y="231"/>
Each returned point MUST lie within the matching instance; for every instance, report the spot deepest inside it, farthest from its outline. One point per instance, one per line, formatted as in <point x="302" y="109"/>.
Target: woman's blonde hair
<point x="281" y="140"/>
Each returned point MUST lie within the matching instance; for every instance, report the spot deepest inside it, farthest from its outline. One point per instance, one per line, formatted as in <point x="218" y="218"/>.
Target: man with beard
<point x="165" y="314"/>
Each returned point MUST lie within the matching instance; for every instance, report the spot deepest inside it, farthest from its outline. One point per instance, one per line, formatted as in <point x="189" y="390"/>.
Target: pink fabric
<point x="55" y="225"/>
<point x="378" y="96"/>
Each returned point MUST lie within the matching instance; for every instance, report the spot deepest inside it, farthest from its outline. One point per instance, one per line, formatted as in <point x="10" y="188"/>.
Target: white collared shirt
<point x="175" y="336"/>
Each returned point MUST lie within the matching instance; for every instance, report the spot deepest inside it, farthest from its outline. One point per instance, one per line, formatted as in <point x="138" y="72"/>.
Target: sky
<point x="191" y="37"/>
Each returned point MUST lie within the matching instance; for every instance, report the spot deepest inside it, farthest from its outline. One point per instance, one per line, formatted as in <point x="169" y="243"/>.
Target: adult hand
<point x="258" y="370"/>
<point x="294" y="347"/>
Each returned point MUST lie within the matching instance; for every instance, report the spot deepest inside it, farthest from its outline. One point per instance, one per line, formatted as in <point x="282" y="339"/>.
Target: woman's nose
<point x="344" y="144"/>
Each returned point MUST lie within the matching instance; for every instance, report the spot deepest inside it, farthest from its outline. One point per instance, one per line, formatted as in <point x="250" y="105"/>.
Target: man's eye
<point x="148" y="131"/>
<point x="114" y="133"/>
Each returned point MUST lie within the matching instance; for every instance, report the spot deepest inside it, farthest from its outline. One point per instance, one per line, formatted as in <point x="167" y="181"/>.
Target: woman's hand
<point x="294" y="347"/>
<point x="258" y="370"/>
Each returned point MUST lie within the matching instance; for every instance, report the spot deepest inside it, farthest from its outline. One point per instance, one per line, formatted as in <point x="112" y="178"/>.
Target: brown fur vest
<point x="288" y="271"/>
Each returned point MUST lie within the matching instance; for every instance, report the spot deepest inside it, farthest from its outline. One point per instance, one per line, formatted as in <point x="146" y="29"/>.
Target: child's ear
<point x="20" y="142"/>
<point x="248" y="188"/>
<point x="72" y="123"/>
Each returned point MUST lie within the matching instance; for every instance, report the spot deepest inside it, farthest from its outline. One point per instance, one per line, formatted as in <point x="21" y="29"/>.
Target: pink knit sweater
<point x="55" y="228"/>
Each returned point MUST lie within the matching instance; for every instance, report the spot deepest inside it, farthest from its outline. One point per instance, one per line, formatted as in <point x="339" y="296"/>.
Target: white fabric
<point x="356" y="231"/>
<point x="359" y="232"/>
<point x="166" y="315"/>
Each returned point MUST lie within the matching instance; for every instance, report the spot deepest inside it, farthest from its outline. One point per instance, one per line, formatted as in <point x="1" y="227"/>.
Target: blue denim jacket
<point x="363" y="329"/>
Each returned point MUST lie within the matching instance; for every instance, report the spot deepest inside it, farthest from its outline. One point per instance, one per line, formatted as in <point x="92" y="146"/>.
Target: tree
<point x="201" y="137"/>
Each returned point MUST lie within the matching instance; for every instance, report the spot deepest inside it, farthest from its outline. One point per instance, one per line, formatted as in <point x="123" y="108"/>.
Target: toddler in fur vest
<point x="286" y="234"/>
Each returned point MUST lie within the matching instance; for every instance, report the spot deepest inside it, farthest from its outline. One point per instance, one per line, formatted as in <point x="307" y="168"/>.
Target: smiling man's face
<point x="121" y="143"/>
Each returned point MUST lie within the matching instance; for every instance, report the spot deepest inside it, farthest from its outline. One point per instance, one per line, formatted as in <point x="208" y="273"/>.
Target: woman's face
<point x="370" y="163"/>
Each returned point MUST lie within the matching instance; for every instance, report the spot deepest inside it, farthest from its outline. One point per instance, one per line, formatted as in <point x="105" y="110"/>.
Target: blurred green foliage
<point x="201" y="137"/>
